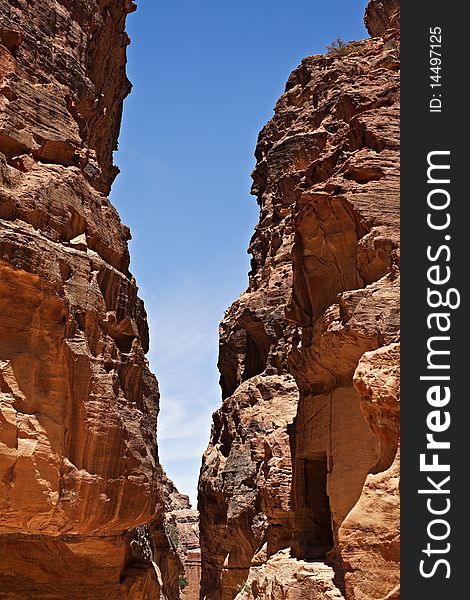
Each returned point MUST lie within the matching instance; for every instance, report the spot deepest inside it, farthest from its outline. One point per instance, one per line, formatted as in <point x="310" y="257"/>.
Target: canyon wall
<point x="80" y="489"/>
<point x="298" y="492"/>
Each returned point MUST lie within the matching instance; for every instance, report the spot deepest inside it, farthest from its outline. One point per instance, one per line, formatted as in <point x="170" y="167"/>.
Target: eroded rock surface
<point x="79" y="472"/>
<point x="282" y="577"/>
<point x="244" y="489"/>
<point x="302" y="463"/>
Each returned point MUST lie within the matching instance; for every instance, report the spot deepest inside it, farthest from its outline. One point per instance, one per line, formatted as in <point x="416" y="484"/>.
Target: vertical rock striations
<point x="79" y="472"/>
<point x="298" y="491"/>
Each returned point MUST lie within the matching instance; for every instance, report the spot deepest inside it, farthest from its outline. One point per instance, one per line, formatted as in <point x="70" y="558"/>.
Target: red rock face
<point x="302" y="464"/>
<point x="382" y="15"/>
<point x="79" y="469"/>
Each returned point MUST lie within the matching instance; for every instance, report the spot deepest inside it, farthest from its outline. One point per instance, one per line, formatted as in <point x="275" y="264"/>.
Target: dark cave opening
<point x="256" y="356"/>
<point x="314" y="529"/>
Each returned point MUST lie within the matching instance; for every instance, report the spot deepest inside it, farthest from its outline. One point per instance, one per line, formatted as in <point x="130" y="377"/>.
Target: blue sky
<point x="206" y="76"/>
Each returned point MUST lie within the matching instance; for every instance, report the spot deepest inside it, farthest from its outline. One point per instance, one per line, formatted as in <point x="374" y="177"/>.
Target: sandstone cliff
<point x="79" y="472"/>
<point x="298" y="492"/>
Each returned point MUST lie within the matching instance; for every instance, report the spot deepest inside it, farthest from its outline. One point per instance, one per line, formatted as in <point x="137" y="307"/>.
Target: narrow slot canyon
<point x="298" y="490"/>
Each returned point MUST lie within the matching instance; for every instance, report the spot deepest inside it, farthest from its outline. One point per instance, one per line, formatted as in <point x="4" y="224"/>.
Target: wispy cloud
<point x="183" y="354"/>
<point x="148" y="165"/>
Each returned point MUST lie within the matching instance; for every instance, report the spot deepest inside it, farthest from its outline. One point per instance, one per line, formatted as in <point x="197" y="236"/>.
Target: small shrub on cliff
<point x="338" y="47"/>
<point x="172" y="534"/>
<point x="244" y="587"/>
<point x="183" y="582"/>
<point x="392" y="45"/>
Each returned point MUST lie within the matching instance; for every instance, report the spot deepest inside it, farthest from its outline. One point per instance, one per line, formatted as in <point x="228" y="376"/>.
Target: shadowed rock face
<point x="302" y="463"/>
<point x="79" y="472"/>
